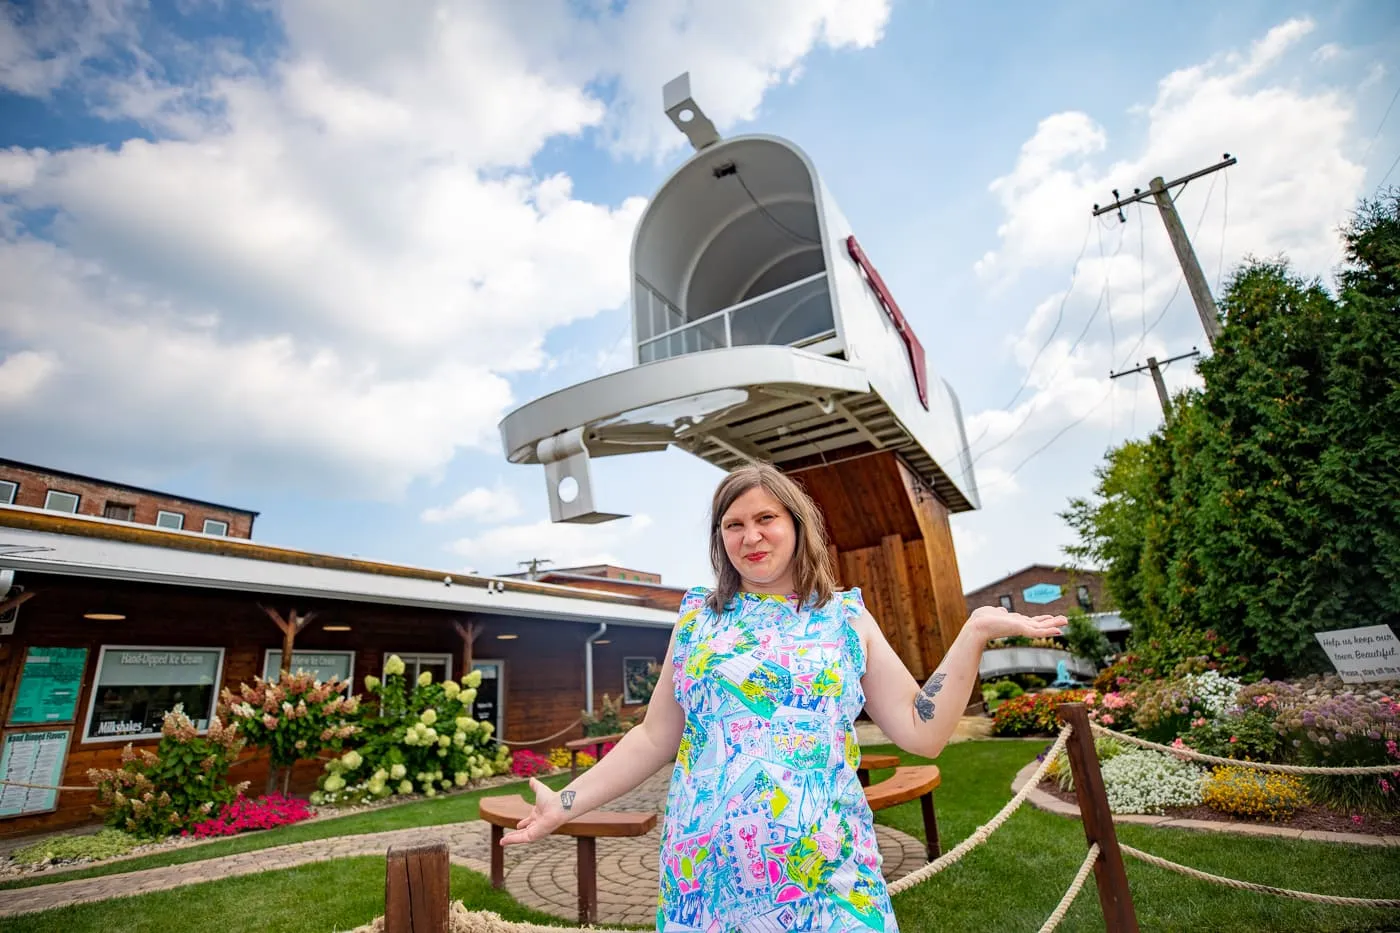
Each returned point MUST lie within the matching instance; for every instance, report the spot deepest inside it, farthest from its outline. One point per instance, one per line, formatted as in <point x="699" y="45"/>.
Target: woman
<point x="767" y="828"/>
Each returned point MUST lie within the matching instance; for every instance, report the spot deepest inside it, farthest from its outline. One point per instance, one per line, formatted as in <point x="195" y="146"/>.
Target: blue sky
<point x="301" y="257"/>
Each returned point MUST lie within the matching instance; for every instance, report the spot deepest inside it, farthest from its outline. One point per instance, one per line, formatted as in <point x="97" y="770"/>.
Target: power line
<point x="1388" y="171"/>
<point x="1377" y="134"/>
<point x="1224" y="223"/>
<point x="1059" y="317"/>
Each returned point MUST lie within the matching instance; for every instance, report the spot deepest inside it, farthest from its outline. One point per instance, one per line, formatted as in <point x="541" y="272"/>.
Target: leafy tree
<point x="1268" y="508"/>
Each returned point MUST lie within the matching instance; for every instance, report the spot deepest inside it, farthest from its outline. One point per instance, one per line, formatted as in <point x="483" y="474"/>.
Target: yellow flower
<point x="393" y="666"/>
<point x="425" y="678"/>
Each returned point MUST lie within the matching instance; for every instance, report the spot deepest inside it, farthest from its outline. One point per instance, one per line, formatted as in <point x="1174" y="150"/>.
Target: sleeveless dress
<point x="767" y="828"/>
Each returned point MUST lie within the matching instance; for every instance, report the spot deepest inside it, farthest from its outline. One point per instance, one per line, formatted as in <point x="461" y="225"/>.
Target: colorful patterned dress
<point x="767" y="828"/>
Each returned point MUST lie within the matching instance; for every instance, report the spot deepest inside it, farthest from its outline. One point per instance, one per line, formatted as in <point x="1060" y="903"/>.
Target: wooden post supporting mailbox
<point x="416" y="889"/>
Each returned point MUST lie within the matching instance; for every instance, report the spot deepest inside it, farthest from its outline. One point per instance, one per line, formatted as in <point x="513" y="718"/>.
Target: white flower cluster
<point x="1142" y="781"/>
<point x="1215" y="691"/>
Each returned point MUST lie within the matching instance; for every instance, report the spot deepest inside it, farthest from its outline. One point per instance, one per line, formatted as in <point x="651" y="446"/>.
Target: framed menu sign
<point x="49" y="686"/>
<point x="31" y="758"/>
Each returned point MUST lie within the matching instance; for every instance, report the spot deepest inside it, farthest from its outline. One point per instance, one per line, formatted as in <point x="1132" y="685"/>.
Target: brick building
<point x="1043" y="589"/>
<point x="39" y="487"/>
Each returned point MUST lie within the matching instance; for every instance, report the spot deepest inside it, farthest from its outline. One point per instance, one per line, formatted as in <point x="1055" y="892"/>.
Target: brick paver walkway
<point x="542" y="875"/>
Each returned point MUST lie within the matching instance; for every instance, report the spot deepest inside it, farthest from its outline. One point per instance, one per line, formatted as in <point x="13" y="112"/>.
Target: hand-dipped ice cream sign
<point x="761" y="331"/>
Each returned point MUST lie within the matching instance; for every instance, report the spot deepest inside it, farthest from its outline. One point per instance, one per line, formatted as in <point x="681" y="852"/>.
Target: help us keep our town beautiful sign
<point x="1363" y="655"/>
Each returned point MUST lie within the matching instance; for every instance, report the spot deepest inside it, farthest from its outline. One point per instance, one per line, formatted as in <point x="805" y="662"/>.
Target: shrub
<point x="607" y="721"/>
<point x="1245" y="792"/>
<point x="244" y="815"/>
<point x="528" y="764"/>
<point x="154" y="794"/>
<point x="294" y="717"/>
<point x="1246" y="734"/>
<point x="413" y="737"/>
<point x="1003" y="689"/>
<point x="1142" y="781"/>
<point x="1167" y="709"/>
<point x="104" y="844"/>
<point x="1032" y="713"/>
<point x="1030" y="681"/>
<point x="1083" y="638"/>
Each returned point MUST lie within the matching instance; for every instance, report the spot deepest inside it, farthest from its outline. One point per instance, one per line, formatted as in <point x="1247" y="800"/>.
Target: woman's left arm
<point x="920" y="720"/>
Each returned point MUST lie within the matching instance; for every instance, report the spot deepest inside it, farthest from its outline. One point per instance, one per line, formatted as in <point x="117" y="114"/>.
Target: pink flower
<point x="1177" y="743"/>
<point x="1234" y="739"/>
<point x="1107" y="719"/>
<point x="269" y="721"/>
<point x="1356" y="818"/>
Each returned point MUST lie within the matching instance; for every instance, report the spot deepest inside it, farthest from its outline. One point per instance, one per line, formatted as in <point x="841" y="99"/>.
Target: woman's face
<point x="760" y="539"/>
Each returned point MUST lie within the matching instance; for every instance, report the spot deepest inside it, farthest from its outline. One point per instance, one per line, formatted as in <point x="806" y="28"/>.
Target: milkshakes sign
<point x="1363" y="655"/>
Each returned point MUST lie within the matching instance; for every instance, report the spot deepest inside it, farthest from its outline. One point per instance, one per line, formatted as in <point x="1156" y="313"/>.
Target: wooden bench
<point x="903" y="786"/>
<point x="870" y="763"/>
<point x="506" y="813"/>
<point x="594" y="742"/>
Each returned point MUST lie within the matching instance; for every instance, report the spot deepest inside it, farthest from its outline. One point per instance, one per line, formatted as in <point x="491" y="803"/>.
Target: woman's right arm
<point x="640" y="753"/>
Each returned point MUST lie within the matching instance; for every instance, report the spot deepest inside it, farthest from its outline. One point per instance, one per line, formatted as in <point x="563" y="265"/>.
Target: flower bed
<point x="243" y="815"/>
<point x="1318" y="721"/>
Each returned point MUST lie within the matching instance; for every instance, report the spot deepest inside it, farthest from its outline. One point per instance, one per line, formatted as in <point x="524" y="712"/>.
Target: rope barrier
<point x="1072" y="892"/>
<point x="1384" y="903"/>
<point x="980" y="834"/>
<point x="1192" y="755"/>
<point x="548" y="738"/>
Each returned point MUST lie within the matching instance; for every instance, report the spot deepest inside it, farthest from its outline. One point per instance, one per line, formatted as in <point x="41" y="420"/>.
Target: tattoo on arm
<point x="923" y="700"/>
<point x="566" y="799"/>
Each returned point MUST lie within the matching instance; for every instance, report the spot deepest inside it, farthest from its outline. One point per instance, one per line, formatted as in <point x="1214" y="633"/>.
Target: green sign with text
<point x="49" y="686"/>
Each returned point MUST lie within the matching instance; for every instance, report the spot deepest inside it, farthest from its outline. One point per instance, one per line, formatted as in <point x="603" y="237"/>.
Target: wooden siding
<point x="893" y="540"/>
<point x="542" y="669"/>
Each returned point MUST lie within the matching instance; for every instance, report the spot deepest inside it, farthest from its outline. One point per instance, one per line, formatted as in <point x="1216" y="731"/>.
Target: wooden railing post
<point x="416" y="889"/>
<point x="1115" y="899"/>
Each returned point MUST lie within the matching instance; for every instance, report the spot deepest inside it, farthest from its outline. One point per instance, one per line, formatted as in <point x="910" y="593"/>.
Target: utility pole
<point x="1155" y="367"/>
<point x="1160" y="192"/>
<point x="532" y="566"/>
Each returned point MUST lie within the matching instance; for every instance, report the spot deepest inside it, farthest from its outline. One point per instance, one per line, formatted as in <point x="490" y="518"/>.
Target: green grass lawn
<point x="1015" y="879"/>
<point x="1010" y="883"/>
<point x="455" y="808"/>
<point x="315" y="898"/>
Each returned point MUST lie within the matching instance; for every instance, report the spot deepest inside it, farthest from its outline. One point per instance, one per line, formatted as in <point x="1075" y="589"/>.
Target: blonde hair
<point x="812" y="574"/>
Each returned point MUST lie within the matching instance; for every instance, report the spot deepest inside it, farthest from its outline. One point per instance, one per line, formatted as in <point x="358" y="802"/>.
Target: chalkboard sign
<point x="31" y="758"/>
<point x="49" y="686"/>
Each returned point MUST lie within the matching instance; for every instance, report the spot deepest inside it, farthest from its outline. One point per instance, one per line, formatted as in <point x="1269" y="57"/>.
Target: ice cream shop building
<point x="106" y="624"/>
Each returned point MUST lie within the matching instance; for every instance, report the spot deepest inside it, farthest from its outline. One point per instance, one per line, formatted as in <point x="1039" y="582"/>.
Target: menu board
<point x="31" y="758"/>
<point x="49" y="686"/>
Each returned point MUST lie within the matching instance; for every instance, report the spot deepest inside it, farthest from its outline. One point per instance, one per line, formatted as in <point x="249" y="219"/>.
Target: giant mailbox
<point x="763" y="331"/>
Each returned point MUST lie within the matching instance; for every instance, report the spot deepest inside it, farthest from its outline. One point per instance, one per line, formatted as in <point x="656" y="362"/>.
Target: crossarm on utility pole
<point x="1160" y="192"/>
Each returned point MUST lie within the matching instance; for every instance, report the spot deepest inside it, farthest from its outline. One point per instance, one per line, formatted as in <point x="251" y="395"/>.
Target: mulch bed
<point x="1311" y="817"/>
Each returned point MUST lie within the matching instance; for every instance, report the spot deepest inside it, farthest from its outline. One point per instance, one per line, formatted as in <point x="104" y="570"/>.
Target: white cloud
<point x="1327" y="52"/>
<point x="1293" y="186"/>
<point x="498" y="550"/>
<point x="21" y="376"/>
<point x="43" y="44"/>
<point x="335" y="257"/>
<point x="481" y="504"/>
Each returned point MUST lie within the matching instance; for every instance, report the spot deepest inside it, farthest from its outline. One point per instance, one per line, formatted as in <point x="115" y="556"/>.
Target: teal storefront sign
<point x="1042" y="593"/>
<point x="49" y="686"/>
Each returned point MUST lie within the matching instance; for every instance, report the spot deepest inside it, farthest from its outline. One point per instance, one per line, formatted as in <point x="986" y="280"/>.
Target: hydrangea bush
<point x="294" y="717"/>
<point x="1143" y="781"/>
<point x="417" y="737"/>
<point x="156" y="793"/>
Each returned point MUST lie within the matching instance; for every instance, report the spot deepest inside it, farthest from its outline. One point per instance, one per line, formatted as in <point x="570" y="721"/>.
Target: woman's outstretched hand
<point x="547" y="816"/>
<point x="996" y="622"/>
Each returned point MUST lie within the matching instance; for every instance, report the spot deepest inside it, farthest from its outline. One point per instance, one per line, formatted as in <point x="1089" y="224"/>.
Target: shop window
<point x="1007" y="603"/>
<point x="415" y="663"/>
<point x="137" y="685"/>
<point x="323" y="665"/>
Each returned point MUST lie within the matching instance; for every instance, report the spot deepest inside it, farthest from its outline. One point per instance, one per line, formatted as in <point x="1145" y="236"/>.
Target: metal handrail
<point x="731" y="310"/>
